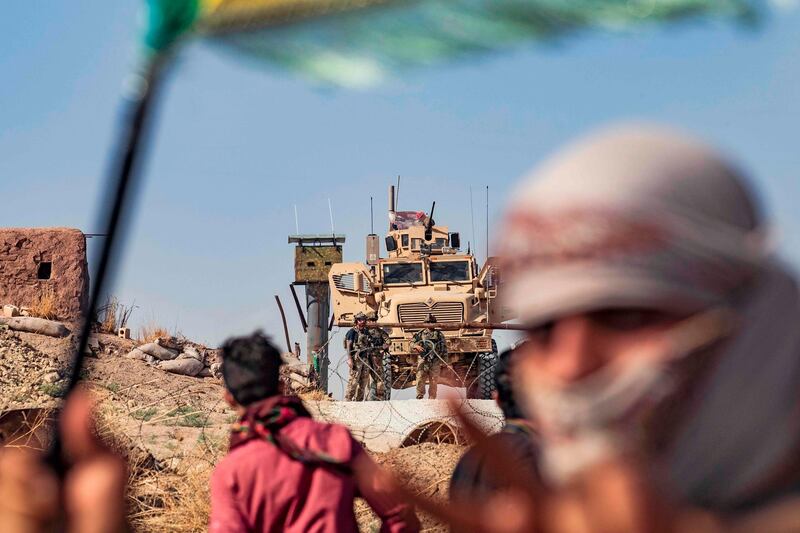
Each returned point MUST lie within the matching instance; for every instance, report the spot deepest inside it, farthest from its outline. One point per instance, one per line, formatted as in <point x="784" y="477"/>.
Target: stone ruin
<point x="38" y="262"/>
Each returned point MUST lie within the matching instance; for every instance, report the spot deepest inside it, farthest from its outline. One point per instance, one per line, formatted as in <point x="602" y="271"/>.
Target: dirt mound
<point x="426" y="468"/>
<point x="166" y="413"/>
<point x="30" y="377"/>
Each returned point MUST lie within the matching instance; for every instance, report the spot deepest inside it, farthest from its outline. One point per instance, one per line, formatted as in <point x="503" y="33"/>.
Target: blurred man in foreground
<point x="285" y="471"/>
<point x="662" y="333"/>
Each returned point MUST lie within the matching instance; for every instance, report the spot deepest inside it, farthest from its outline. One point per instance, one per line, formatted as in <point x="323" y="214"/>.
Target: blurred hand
<point x="91" y="498"/>
<point x="616" y="496"/>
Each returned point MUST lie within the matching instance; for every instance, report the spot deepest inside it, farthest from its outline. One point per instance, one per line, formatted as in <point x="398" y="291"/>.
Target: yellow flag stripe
<point x="221" y="16"/>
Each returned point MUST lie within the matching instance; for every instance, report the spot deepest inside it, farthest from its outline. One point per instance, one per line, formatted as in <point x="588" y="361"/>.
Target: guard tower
<point x="313" y="257"/>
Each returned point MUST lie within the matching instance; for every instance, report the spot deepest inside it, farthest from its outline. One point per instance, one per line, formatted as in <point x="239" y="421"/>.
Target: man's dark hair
<point x="251" y="368"/>
<point x="502" y="381"/>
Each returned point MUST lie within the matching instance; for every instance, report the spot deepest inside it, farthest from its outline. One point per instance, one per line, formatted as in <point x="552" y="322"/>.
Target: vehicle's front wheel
<point x="386" y="377"/>
<point x="486" y="371"/>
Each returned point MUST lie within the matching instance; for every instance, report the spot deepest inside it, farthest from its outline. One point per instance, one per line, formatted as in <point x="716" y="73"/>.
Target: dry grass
<point x="26" y="428"/>
<point x="162" y="502"/>
<point x="114" y="315"/>
<point x="160" y="499"/>
<point x="108" y="323"/>
<point x="151" y="332"/>
<point x="45" y="305"/>
<point x="314" y="396"/>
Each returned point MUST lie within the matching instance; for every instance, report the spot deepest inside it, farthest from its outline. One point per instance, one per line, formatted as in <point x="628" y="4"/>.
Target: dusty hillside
<point x="31" y="369"/>
<point x="173" y="428"/>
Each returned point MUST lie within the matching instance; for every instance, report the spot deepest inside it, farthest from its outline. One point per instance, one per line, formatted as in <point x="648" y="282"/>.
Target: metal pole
<point x="330" y="211"/>
<point x="299" y="309"/>
<point x="487" y="223"/>
<point x="285" y="327"/>
<point x="391" y="205"/>
<point x="317" y="311"/>
<point x="472" y="216"/>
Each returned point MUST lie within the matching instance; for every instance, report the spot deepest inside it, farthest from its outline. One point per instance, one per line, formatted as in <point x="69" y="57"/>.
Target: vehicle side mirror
<point x="455" y="241"/>
<point x="391" y="244"/>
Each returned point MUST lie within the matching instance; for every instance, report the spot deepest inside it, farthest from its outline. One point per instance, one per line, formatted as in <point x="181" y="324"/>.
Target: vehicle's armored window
<point x="416" y="243"/>
<point x="449" y="270"/>
<point x="402" y="273"/>
<point x="404" y="240"/>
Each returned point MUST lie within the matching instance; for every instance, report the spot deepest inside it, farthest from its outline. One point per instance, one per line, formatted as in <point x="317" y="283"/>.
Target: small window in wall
<point x="310" y="264"/>
<point x="328" y="263"/>
<point x="44" y="270"/>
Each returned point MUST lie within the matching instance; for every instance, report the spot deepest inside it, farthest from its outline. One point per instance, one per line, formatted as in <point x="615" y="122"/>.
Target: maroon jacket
<point x="259" y="488"/>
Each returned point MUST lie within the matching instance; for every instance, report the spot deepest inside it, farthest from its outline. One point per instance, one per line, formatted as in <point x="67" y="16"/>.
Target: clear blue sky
<point x="238" y="144"/>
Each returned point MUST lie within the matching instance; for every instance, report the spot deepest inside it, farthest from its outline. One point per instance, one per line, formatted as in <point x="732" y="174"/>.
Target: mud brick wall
<point x="34" y="261"/>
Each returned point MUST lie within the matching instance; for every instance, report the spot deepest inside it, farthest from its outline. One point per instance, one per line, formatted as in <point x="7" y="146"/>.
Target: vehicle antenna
<point x="371" y="218"/>
<point x="296" y="221"/>
<point x="397" y="193"/>
<point x="487" y="223"/>
<point x="471" y="215"/>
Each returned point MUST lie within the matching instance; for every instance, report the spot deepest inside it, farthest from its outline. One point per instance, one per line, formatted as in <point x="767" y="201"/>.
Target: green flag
<point x="361" y="42"/>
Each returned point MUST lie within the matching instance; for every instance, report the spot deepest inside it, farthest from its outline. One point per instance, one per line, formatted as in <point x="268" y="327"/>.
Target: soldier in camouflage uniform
<point x="352" y="345"/>
<point x="431" y="348"/>
<point x="365" y="347"/>
<point x="378" y="343"/>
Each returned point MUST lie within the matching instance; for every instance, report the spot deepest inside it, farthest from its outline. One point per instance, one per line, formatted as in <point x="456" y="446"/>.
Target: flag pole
<point x="123" y="174"/>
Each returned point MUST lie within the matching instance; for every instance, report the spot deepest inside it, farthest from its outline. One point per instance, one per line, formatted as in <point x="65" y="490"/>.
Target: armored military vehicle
<point x="425" y="272"/>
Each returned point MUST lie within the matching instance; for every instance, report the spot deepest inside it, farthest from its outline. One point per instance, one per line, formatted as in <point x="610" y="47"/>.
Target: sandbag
<point x="136" y="353"/>
<point x="193" y="353"/>
<point x="170" y="342"/>
<point x="40" y="326"/>
<point x="157" y="351"/>
<point x="188" y="366"/>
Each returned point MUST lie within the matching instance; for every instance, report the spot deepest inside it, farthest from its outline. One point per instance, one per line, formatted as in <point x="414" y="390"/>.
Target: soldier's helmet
<point x="360" y="317"/>
<point x="430" y="319"/>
